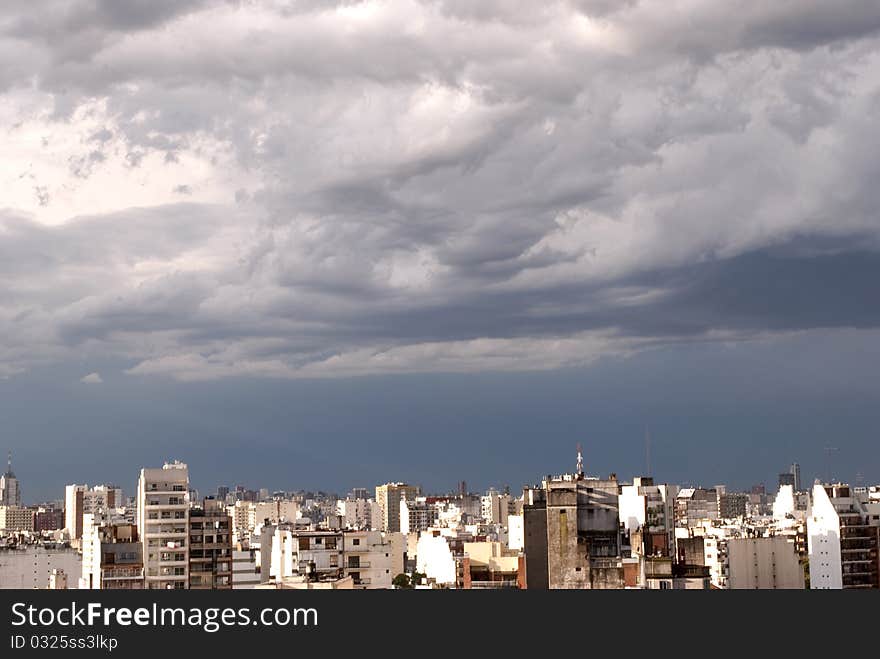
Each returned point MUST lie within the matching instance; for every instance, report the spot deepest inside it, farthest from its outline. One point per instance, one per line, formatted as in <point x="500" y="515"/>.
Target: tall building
<point x="388" y="497"/>
<point x="210" y="547"/>
<point x="795" y="471"/>
<point x="10" y="490"/>
<point x="843" y="536"/>
<point x="572" y="535"/>
<point x="787" y="478"/>
<point x="163" y="525"/>
<point x="81" y="500"/>
<point x="495" y="507"/>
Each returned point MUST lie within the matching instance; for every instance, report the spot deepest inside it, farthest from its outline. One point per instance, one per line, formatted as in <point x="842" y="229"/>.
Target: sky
<point x="317" y="244"/>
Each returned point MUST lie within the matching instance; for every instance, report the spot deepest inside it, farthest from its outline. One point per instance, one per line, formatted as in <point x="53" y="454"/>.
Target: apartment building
<point x="388" y="497"/>
<point x="163" y="525"/>
<point x="210" y="547"/>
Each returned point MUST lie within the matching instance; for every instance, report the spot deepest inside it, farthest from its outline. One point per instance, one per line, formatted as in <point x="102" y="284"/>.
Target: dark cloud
<point x="432" y="186"/>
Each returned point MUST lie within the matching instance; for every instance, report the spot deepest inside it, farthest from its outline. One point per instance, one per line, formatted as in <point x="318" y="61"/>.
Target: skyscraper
<point x="10" y="491"/>
<point x="795" y="471"/>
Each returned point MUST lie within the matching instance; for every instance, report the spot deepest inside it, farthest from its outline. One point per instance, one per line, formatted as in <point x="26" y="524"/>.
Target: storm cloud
<point x="318" y="189"/>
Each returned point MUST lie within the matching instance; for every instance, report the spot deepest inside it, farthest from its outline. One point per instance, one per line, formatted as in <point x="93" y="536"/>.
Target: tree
<point x="401" y="581"/>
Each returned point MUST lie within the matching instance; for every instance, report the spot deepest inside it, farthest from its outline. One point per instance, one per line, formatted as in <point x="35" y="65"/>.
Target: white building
<point x="359" y="513"/>
<point x="495" y="507"/>
<point x="371" y="558"/>
<point x="823" y="542"/>
<point x="163" y="520"/>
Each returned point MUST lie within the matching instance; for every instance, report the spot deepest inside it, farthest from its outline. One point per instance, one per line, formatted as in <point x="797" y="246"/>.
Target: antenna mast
<point x="580" y="462"/>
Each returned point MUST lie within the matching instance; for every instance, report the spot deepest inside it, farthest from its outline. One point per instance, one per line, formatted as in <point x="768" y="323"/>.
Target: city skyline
<point x="340" y="242"/>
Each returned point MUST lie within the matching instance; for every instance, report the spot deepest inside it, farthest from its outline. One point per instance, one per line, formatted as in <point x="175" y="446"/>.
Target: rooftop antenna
<point x="8" y="461"/>
<point x="647" y="451"/>
<point x="580" y="462"/>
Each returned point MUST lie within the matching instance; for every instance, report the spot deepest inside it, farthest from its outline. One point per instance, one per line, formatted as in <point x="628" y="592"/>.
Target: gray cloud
<point x="435" y="185"/>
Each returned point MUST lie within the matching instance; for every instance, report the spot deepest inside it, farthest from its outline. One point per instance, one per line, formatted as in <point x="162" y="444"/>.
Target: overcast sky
<point x="389" y="230"/>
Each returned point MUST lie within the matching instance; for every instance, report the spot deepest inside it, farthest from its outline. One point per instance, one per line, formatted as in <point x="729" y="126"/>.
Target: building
<point x="843" y="538"/>
<point x="732" y="505"/>
<point x="359" y="512"/>
<point x="786" y="478"/>
<point x="245" y="571"/>
<point x="388" y="497"/>
<point x="765" y="563"/>
<point x="490" y="565"/>
<point x="16" y="518"/>
<point x="210" y="547"/>
<point x="81" y="500"/>
<point x="696" y="504"/>
<point x="578" y="518"/>
<point x="416" y="515"/>
<point x="495" y="507"/>
<point x="112" y="557"/>
<point x="370" y="558"/>
<point x="795" y="471"/>
<point x="10" y="490"/>
<point x="47" y="519"/>
<point x="30" y="566"/>
<point x="163" y="525"/>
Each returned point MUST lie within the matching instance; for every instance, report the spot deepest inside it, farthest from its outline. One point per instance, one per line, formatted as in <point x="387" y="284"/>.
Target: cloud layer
<point x="307" y="189"/>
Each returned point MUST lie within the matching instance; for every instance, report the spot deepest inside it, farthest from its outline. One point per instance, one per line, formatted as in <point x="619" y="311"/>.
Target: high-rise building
<point x="388" y="497"/>
<point x="10" y="490"/>
<point x="210" y="547"/>
<point x="843" y="536"/>
<point x="795" y="471"/>
<point x="787" y="478"/>
<point x="163" y="525"/>
<point x="80" y="500"/>
<point x="572" y="535"/>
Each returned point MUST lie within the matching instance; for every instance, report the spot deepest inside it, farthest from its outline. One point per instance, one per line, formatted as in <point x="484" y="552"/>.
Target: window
<point x="357" y="541"/>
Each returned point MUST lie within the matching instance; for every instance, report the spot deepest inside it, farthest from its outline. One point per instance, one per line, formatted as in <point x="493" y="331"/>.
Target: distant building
<point x="693" y="505"/>
<point x="416" y="515"/>
<point x="388" y="497"/>
<point x="80" y="500"/>
<point x="10" y="490"/>
<point x="16" y="518"/>
<point x="795" y="471"/>
<point x="495" y="507"/>
<point x="732" y="505"/>
<point x="47" y="519"/>
<point x="787" y="478"/>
